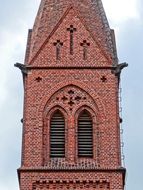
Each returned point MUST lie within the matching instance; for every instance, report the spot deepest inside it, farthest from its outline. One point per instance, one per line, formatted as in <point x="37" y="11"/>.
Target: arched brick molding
<point x="71" y="97"/>
<point x="88" y="89"/>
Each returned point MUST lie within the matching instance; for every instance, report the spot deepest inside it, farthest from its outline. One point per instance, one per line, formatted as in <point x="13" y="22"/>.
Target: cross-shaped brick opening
<point x="38" y="79"/>
<point x="64" y="98"/>
<point x="103" y="79"/>
<point x="85" y="43"/>
<point x="78" y="98"/>
<point x="71" y="29"/>
<point x="58" y="44"/>
<point x="71" y="92"/>
<point x="85" y="46"/>
<point x="71" y="103"/>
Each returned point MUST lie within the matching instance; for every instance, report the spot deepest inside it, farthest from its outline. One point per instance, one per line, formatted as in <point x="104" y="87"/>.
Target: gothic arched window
<point x="85" y="135"/>
<point x="57" y="135"/>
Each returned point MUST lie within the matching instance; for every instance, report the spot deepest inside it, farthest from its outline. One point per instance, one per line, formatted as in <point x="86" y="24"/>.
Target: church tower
<point x="71" y="122"/>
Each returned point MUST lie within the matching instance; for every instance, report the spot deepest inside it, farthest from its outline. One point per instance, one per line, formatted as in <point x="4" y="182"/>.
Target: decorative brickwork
<point x="71" y="68"/>
<point x="71" y="98"/>
<point x="102" y="185"/>
<point x="90" y="12"/>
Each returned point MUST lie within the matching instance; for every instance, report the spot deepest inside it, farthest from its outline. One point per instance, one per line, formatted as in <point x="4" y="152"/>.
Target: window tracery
<point x="71" y="98"/>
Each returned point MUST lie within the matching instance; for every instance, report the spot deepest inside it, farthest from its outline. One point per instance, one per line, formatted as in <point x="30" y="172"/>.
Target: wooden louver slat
<point x="57" y="136"/>
<point x="85" y="135"/>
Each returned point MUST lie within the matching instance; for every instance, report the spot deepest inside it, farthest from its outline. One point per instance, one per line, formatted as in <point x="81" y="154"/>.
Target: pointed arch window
<point x="85" y="135"/>
<point x="57" y="135"/>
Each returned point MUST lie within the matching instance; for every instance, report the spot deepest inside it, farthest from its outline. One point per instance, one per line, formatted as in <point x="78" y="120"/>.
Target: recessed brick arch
<point x="88" y="109"/>
<point x="96" y="110"/>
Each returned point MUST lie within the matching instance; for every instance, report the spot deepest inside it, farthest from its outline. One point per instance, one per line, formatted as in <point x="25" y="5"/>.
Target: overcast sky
<point x="125" y="16"/>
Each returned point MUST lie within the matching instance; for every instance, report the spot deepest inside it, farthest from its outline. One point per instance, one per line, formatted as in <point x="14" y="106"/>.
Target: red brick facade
<point x="71" y="66"/>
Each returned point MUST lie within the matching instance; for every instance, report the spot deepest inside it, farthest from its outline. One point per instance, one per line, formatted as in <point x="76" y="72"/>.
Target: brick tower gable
<point x="83" y="49"/>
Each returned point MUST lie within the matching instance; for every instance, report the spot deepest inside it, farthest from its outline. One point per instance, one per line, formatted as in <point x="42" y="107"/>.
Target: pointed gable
<point x="56" y="50"/>
<point x="91" y="12"/>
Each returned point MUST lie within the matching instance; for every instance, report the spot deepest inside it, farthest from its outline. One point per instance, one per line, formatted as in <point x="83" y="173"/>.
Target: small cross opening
<point x="71" y="92"/>
<point x="38" y="79"/>
<point x="85" y="46"/>
<point x="64" y="98"/>
<point x="78" y="98"/>
<point x="71" y="103"/>
<point x="103" y="79"/>
<point x="58" y="44"/>
<point x="71" y="29"/>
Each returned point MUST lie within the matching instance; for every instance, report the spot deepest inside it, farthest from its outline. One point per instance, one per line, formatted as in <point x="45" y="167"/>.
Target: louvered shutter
<point x="85" y="135"/>
<point x="57" y="136"/>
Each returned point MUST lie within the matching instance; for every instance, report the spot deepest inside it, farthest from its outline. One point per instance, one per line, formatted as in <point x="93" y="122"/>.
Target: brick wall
<point x="67" y="61"/>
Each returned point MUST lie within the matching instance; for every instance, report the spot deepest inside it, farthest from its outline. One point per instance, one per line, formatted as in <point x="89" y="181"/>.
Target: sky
<point x="16" y="17"/>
